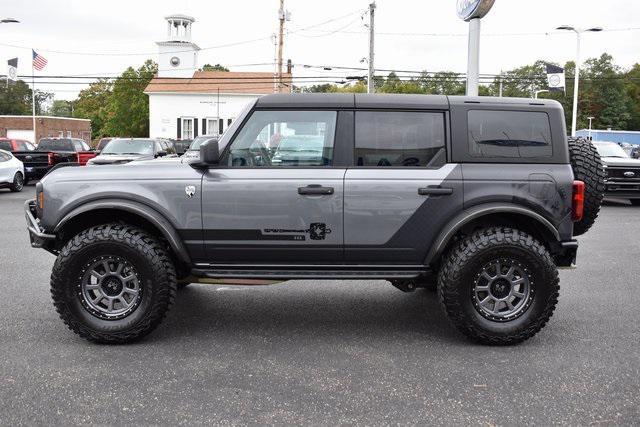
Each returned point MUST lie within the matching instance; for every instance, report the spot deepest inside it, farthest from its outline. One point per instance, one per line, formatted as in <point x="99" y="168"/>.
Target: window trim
<point x="446" y="132"/>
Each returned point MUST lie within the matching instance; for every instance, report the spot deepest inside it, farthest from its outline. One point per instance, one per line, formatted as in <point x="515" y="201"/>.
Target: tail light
<point x="577" y="205"/>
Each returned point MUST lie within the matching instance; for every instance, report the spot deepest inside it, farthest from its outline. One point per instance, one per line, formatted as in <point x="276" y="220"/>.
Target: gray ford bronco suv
<point x="481" y="197"/>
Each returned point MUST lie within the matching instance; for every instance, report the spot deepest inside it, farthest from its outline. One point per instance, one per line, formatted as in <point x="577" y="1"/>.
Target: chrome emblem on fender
<point x="190" y="190"/>
<point x="629" y="174"/>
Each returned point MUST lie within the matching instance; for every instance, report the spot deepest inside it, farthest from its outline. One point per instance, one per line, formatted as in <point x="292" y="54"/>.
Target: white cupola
<point x="178" y="55"/>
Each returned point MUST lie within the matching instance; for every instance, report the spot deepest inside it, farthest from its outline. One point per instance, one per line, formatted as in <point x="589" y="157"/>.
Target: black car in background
<point x="125" y="150"/>
<point x="622" y="172"/>
<point x="52" y="151"/>
<point x="102" y="143"/>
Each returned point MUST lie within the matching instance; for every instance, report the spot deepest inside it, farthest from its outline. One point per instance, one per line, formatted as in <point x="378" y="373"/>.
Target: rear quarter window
<point x="509" y="134"/>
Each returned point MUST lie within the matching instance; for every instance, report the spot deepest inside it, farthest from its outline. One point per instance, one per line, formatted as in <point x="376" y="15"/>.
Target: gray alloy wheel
<point x="110" y="288"/>
<point x="18" y="183"/>
<point x="502" y="290"/>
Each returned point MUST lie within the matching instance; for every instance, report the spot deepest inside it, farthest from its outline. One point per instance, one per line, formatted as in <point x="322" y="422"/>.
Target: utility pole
<point x="282" y="17"/>
<point x="500" y="92"/>
<point x="370" y="83"/>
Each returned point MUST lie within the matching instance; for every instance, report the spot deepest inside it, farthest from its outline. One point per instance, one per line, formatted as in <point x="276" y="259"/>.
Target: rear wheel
<point x="113" y="283"/>
<point x="18" y="183"/>
<point x="587" y="167"/>
<point x="499" y="286"/>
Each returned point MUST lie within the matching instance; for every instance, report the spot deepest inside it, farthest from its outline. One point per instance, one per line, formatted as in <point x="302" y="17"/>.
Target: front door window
<point x="285" y="138"/>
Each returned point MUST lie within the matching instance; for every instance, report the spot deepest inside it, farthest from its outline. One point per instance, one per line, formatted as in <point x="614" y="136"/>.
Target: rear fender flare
<point x="479" y="211"/>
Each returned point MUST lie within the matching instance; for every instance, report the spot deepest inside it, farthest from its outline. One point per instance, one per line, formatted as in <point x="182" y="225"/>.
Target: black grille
<point x="621" y="173"/>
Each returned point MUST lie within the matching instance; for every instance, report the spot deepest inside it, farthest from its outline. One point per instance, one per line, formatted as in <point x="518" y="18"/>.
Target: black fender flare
<point x="148" y="213"/>
<point x="478" y="211"/>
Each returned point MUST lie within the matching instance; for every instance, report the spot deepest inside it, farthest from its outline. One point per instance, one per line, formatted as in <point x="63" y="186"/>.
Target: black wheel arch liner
<point x="479" y="211"/>
<point x="146" y="212"/>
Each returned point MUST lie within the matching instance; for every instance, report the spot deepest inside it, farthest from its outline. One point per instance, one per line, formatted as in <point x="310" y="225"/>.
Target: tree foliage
<point x="93" y="103"/>
<point x="15" y="98"/>
<point x="217" y="67"/>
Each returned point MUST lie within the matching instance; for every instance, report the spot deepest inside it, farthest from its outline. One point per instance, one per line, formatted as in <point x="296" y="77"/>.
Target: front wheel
<point x="113" y="283"/>
<point x="499" y="286"/>
<point x="18" y="183"/>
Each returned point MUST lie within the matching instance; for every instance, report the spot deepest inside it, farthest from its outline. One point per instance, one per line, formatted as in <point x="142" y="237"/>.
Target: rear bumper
<point x="37" y="236"/>
<point x="567" y="255"/>
<point x="36" y="172"/>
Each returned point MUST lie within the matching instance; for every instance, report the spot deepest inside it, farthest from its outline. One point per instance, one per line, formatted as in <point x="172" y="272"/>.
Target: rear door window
<point x="5" y="145"/>
<point x="509" y="134"/>
<point x="399" y="139"/>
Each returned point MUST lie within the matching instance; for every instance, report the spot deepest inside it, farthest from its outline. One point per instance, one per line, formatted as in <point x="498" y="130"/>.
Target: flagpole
<point x="33" y="103"/>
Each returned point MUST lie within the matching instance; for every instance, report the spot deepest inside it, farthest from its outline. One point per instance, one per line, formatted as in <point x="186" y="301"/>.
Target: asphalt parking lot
<point x="329" y="352"/>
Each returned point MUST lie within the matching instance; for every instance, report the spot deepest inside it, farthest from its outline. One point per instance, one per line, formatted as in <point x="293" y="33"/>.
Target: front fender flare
<point x="154" y="217"/>
<point x="478" y="211"/>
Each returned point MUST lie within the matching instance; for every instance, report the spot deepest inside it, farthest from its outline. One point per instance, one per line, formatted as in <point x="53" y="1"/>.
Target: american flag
<point x="39" y="61"/>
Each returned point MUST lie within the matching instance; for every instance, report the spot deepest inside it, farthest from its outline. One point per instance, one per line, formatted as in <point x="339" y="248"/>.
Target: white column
<point x="473" y="58"/>
<point x="576" y="80"/>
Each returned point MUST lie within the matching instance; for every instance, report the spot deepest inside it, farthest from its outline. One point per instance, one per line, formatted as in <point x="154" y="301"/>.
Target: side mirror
<point x="161" y="153"/>
<point x="210" y="152"/>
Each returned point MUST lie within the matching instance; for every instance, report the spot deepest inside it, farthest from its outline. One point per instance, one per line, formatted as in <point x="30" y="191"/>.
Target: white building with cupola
<point x="185" y="102"/>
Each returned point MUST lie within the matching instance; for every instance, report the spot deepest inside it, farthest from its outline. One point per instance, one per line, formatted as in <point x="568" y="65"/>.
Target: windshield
<point x="55" y="145"/>
<point x="611" y="150"/>
<point x="129" y="146"/>
<point x="195" y="145"/>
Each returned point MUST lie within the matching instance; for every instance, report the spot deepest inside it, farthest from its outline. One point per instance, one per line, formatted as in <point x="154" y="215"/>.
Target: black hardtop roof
<point x="384" y="100"/>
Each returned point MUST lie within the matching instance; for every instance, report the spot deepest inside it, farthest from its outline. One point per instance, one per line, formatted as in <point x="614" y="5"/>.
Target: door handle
<point x="315" y="189"/>
<point x="435" y="190"/>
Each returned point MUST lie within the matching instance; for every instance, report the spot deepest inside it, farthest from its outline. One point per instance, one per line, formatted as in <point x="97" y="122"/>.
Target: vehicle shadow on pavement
<point x="307" y="309"/>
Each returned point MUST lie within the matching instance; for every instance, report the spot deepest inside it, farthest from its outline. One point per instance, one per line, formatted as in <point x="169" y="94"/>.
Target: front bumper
<point x="38" y="237"/>
<point x="622" y="189"/>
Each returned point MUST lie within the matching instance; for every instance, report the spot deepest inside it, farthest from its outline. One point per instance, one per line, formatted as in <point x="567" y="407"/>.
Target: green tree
<point x="61" y="108"/>
<point x="442" y="83"/>
<point x="217" y="67"/>
<point x="92" y="103"/>
<point x="632" y="83"/>
<point x="604" y="95"/>
<point x="128" y="108"/>
<point x="15" y="98"/>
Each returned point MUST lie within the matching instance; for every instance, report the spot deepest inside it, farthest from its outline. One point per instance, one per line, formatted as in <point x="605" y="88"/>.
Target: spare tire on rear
<point x="587" y="167"/>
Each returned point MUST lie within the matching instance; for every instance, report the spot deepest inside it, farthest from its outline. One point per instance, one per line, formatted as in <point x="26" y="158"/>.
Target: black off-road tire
<point x="157" y="282"/>
<point x="587" y="167"/>
<point x="462" y="267"/>
<point x="18" y="183"/>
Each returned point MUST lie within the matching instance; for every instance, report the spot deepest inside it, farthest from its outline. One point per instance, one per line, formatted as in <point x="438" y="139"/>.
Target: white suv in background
<point x="11" y="172"/>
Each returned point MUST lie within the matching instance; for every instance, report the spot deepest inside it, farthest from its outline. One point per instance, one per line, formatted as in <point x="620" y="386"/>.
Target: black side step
<point x="298" y="273"/>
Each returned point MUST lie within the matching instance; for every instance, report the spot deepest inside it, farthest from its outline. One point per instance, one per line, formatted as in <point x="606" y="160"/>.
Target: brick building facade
<point x="21" y="127"/>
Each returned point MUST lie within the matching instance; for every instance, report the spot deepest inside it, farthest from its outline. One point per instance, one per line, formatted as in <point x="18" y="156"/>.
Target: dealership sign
<point x="469" y="9"/>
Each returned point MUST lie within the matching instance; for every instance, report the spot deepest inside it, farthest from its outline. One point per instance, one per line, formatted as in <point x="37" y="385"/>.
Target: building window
<point x="212" y="126"/>
<point x="187" y="128"/>
<point x="69" y="134"/>
<point x="61" y="134"/>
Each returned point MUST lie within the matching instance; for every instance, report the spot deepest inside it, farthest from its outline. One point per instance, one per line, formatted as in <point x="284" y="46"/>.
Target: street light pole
<point x="576" y="78"/>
